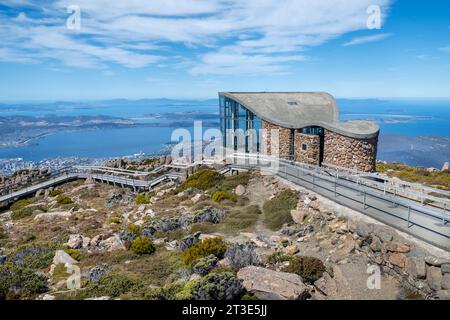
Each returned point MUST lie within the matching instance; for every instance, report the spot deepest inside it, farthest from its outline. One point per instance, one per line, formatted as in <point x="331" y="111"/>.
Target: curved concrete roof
<point x="297" y="110"/>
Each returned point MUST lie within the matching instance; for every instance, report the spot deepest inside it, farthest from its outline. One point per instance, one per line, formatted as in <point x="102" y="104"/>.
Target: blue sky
<point x="194" y="48"/>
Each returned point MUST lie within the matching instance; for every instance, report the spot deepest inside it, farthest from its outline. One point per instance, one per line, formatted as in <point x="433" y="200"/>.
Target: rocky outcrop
<point x="274" y="285"/>
<point x="242" y="255"/>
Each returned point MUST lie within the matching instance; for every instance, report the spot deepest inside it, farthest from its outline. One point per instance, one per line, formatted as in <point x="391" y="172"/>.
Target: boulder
<point x="376" y="245"/>
<point x="443" y="294"/>
<point x="416" y="267"/>
<point x="363" y="230"/>
<point x="298" y="215"/>
<point x="446" y="281"/>
<point x="326" y="284"/>
<point x="50" y="216"/>
<point x="196" y="198"/>
<point x="96" y="273"/>
<point x="384" y="233"/>
<point x="113" y="243"/>
<point x="240" y="190"/>
<point x="242" y="255"/>
<point x="189" y="241"/>
<point x="291" y="250"/>
<point x="397" y="259"/>
<point x="445" y="268"/>
<point x="434" y="278"/>
<point x="273" y="285"/>
<point x="397" y="247"/>
<point x="62" y="257"/>
<point x="48" y="297"/>
<point x="75" y="241"/>
<point x="434" y="261"/>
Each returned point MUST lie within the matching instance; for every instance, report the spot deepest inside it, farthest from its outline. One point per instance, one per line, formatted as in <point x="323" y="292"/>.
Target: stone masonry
<point x="284" y="136"/>
<point x="349" y="152"/>
<point x="312" y="153"/>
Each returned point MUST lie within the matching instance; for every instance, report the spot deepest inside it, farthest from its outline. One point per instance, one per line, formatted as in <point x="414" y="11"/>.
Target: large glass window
<point x="234" y="116"/>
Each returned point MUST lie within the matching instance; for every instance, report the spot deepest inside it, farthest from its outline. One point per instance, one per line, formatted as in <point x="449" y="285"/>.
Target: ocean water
<point x="399" y="117"/>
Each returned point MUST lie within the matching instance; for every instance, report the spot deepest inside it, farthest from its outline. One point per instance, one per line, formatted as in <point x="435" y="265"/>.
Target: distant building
<point x="309" y="128"/>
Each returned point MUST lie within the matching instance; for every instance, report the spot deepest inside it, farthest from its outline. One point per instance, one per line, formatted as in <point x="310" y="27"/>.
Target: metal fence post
<point x="364" y="201"/>
<point x="409" y="216"/>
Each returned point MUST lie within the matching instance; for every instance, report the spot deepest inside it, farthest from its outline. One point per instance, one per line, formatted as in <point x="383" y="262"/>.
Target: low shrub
<point x="34" y="256"/>
<point x="142" y="245"/>
<point x="278" y="257"/>
<point x="142" y="199"/>
<point x="55" y="192"/>
<point x="220" y="195"/>
<point x="20" y="204"/>
<point x="73" y="253"/>
<point x="17" y="282"/>
<point x="134" y="230"/>
<point x="309" y="268"/>
<point x="115" y="220"/>
<point x="203" y="179"/>
<point x="3" y="233"/>
<point x="63" y="199"/>
<point x="231" y="182"/>
<point x="21" y="213"/>
<point x="277" y="211"/>
<point x="113" y="285"/>
<point x="206" y="247"/>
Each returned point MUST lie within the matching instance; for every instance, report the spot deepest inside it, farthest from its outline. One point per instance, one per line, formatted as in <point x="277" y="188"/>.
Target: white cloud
<point x="231" y="35"/>
<point x="367" y="39"/>
<point x="445" y="49"/>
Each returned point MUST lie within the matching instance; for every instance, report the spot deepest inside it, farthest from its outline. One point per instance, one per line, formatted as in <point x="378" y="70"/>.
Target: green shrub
<point x="309" y="268"/>
<point x="113" y="285"/>
<point x="215" y="246"/>
<point x="21" y="213"/>
<point x="149" y="161"/>
<point x="115" y="220"/>
<point x="73" y="253"/>
<point x="55" y="192"/>
<point x="277" y="211"/>
<point x="142" y="199"/>
<point x="34" y="256"/>
<point x="220" y="195"/>
<point x="278" y="257"/>
<point x="20" y="204"/>
<point x="231" y="182"/>
<point x="203" y="179"/>
<point x="142" y="245"/>
<point x="63" y="199"/>
<point x="17" y="282"/>
<point x="133" y="230"/>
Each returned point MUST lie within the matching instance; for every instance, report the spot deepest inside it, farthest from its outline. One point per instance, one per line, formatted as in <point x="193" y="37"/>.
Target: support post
<point x="409" y="217"/>
<point x="364" y="203"/>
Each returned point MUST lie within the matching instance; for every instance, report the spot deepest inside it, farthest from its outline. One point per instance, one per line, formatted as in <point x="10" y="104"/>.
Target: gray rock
<point x="273" y="285"/>
<point x="242" y="255"/>
<point x="445" y="268"/>
<point x="434" y="261"/>
<point x="326" y="284"/>
<point x="189" y="241"/>
<point x="376" y="244"/>
<point x="96" y="273"/>
<point x="416" y="267"/>
<point x="434" y="278"/>
<point x="363" y="230"/>
<point x="446" y="281"/>
<point x="443" y="294"/>
<point x="75" y="241"/>
<point x="204" y="265"/>
<point x="62" y="257"/>
<point x="211" y="214"/>
<point x="383" y="233"/>
<point x="240" y="190"/>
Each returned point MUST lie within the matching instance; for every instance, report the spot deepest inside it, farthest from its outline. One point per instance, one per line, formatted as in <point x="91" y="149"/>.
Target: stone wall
<point x="312" y="153"/>
<point x="349" y="152"/>
<point x="284" y="137"/>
